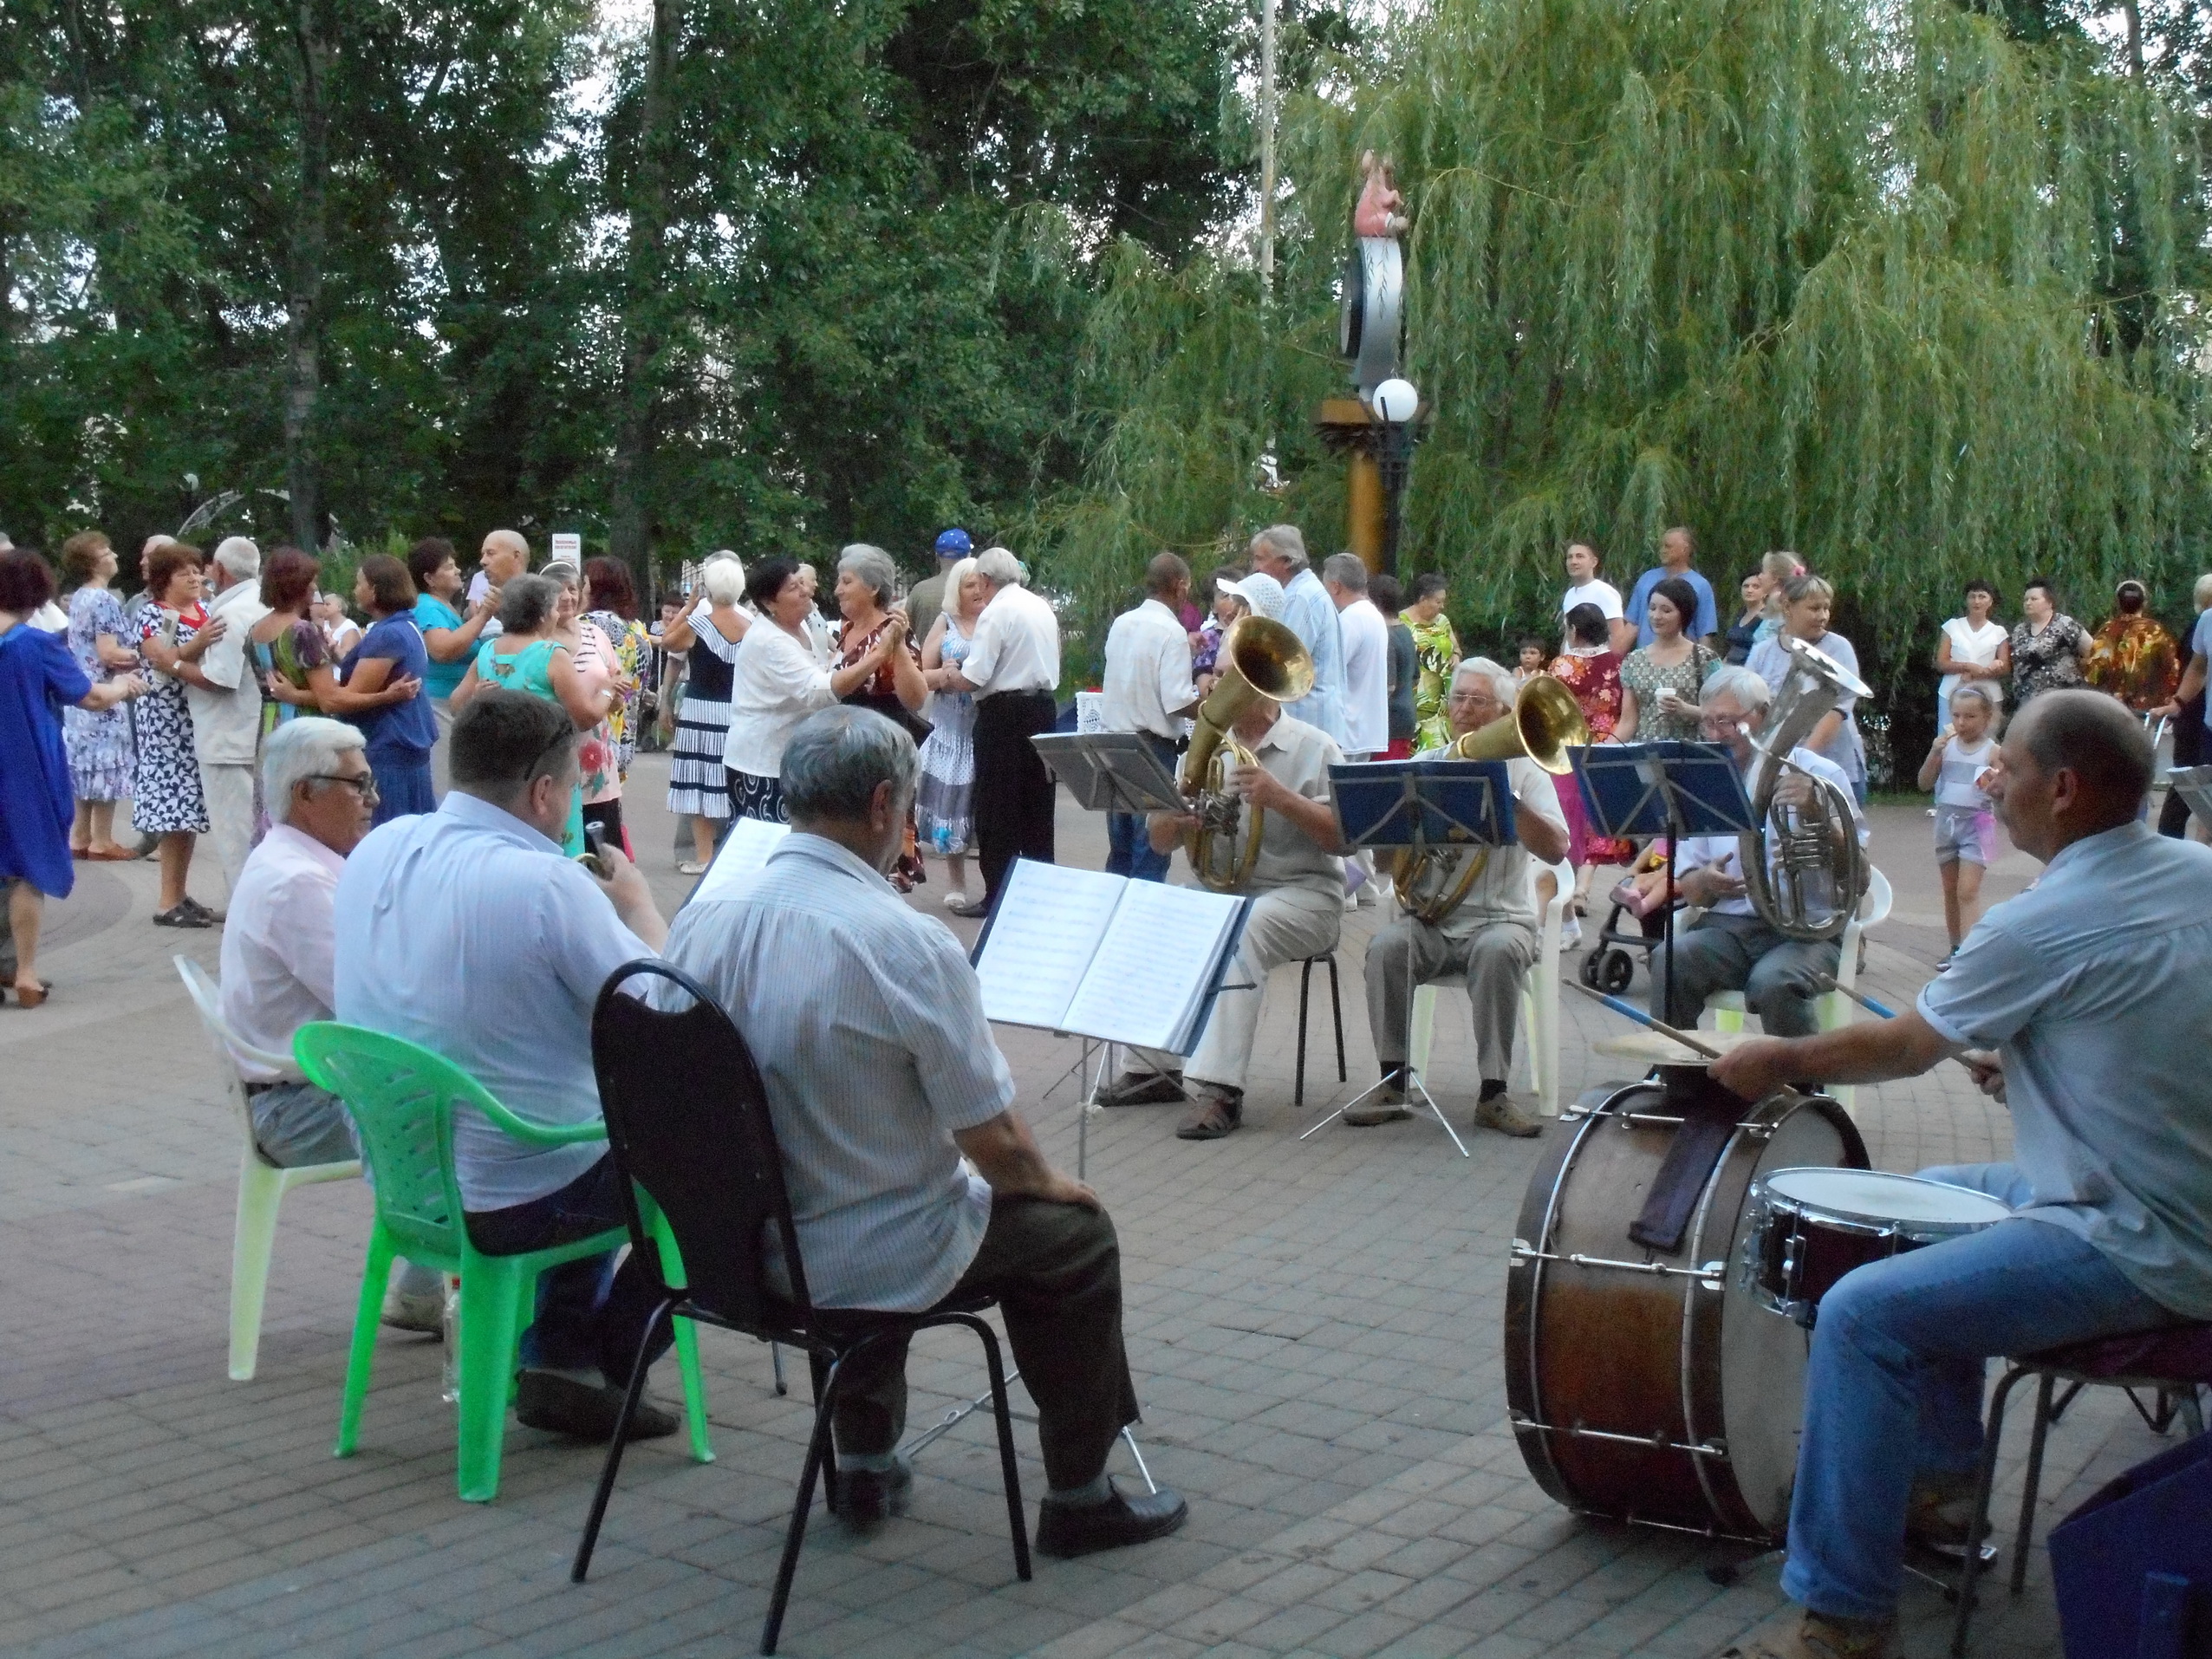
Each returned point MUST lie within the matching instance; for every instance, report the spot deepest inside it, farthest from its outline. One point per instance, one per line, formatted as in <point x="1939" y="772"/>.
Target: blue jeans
<point x="1894" y="1388"/>
<point x="1129" y="849"/>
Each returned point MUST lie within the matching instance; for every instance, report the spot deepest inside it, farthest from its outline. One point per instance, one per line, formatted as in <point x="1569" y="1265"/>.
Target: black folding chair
<point x="687" y="1121"/>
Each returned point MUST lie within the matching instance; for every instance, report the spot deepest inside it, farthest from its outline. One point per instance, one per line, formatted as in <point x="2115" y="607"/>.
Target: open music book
<point x="744" y="849"/>
<point x="1102" y="956"/>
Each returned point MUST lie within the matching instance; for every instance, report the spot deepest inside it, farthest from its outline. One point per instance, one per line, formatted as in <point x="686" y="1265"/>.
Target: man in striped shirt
<point x="882" y="1075"/>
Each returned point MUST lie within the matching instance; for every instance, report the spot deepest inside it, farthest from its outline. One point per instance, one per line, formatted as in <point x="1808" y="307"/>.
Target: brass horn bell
<point x="1265" y="661"/>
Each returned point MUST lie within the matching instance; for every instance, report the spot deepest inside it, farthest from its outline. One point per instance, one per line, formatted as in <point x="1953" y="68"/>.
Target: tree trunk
<point x="304" y="283"/>
<point x="637" y="430"/>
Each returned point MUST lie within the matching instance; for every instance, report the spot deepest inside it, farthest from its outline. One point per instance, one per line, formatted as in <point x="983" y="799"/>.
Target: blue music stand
<point x="1669" y="788"/>
<point x="1416" y="806"/>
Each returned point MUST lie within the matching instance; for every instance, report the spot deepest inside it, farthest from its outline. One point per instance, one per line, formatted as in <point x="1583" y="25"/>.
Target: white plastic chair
<point x="1834" y="1010"/>
<point x="262" y="1185"/>
<point x="1540" y="994"/>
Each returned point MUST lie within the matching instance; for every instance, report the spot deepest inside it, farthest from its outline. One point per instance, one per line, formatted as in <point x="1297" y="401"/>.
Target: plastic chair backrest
<point x="687" y="1121"/>
<point x="207" y="998"/>
<point x="403" y="1098"/>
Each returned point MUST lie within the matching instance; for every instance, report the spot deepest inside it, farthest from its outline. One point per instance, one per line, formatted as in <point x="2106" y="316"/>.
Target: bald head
<point x="2074" y="764"/>
<point x="505" y="554"/>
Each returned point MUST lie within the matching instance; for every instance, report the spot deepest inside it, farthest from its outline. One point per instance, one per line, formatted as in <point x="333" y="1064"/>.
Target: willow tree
<point x="1880" y="284"/>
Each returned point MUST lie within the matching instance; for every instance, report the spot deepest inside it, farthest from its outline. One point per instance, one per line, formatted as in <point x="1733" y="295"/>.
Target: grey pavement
<point x="1315" y="1328"/>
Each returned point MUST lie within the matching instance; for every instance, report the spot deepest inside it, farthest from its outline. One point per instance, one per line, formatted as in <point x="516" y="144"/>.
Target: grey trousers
<point x="1408" y="953"/>
<point x="229" y="789"/>
<point x="296" y="1123"/>
<point x="1743" y="953"/>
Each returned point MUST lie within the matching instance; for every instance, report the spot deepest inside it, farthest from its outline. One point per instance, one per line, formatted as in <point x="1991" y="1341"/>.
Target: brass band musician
<point x="1490" y="935"/>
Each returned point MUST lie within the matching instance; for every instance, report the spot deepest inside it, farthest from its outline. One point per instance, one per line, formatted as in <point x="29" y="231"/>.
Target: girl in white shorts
<point x="1966" y="828"/>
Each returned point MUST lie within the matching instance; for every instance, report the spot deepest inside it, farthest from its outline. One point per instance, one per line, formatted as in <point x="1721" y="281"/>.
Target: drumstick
<point x="1826" y="983"/>
<point x="1644" y="1019"/>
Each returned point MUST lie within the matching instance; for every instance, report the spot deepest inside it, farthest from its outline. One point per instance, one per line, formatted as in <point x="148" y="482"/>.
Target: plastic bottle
<point x="451" y="1330"/>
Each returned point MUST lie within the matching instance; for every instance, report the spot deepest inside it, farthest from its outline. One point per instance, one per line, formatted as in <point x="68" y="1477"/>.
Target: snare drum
<point x="1809" y="1227"/>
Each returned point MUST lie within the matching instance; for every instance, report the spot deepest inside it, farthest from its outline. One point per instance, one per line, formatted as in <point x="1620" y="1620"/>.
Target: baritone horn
<point x="1545" y="722"/>
<point x="1804" y="870"/>
<point x="1267" y="662"/>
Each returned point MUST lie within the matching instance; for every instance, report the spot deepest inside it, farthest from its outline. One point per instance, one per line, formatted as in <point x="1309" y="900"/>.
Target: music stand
<point x="2194" y="785"/>
<point x="1416" y="806"/>
<point x="1669" y="788"/>
<point x="1111" y="771"/>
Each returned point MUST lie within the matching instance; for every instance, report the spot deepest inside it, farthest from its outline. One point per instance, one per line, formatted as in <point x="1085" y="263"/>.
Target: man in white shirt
<point x="1490" y="936"/>
<point x="1013" y="669"/>
<point x="277" y="963"/>
<point x="1149" y="690"/>
<point x="913" y="1181"/>
<point x="504" y="556"/>
<point x="1280" y="551"/>
<point x="1731" y="947"/>
<point x="226" y="711"/>
<point x="1586" y="587"/>
<point x="1367" y="657"/>
<point x="466" y="931"/>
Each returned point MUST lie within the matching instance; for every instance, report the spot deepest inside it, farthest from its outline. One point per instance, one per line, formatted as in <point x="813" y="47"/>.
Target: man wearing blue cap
<point x="927" y="598"/>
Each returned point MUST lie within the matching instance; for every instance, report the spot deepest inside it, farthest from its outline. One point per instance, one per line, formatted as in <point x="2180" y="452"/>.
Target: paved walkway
<point x="1314" y="1327"/>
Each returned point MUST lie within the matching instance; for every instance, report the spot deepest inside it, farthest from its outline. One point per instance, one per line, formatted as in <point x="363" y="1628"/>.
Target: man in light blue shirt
<point x="1676" y="548"/>
<point x="1280" y="551"/>
<point x="466" y="931"/>
<point x="2094" y="988"/>
<point x="911" y="1179"/>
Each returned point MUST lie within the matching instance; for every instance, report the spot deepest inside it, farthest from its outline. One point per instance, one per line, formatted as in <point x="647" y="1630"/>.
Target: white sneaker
<point x="957" y="897"/>
<point x="1570" y="934"/>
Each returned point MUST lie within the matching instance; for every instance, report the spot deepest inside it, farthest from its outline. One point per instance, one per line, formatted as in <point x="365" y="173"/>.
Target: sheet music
<point x="744" y="851"/>
<point x="1153" y="966"/>
<point x="1043" y="933"/>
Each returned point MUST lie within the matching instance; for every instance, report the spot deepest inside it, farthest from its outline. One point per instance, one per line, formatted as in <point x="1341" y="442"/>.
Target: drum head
<point x="1876" y="1196"/>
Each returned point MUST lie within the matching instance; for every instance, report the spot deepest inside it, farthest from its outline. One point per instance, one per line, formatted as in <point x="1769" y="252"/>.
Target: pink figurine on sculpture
<point x="1377" y="214"/>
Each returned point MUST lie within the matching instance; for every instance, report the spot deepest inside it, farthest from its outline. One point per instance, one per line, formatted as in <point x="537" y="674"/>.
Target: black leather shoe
<point x="863" y="1498"/>
<point x="1069" y="1530"/>
<point x="562" y="1405"/>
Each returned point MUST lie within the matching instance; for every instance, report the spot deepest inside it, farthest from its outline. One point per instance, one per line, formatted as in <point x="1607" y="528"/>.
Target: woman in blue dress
<point x="38" y="679"/>
<point x="390" y="664"/>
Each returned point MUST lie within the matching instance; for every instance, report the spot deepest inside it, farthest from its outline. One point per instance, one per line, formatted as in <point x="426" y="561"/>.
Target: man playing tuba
<point x="1296" y="878"/>
<point x="1732" y="946"/>
<point x="1490" y="934"/>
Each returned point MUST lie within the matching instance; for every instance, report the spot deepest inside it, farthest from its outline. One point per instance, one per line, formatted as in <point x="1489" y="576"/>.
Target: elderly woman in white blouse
<point x="775" y="681"/>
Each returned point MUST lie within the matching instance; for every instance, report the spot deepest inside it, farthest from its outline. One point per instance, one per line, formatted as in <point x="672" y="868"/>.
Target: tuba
<point x="1266" y="661"/>
<point x="1545" y="722"/>
<point x="1819" y="871"/>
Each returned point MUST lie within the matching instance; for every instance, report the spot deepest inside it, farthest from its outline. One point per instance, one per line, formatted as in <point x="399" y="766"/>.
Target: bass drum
<point x="1648" y="1387"/>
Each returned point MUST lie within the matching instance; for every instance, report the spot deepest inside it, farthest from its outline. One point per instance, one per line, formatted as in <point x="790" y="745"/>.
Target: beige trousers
<point x="228" y="790"/>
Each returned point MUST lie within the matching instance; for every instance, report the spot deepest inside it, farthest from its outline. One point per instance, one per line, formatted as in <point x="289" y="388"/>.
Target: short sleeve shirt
<point x="1639" y="612"/>
<point x="2096" y="987"/>
<point x="1298" y="755"/>
<point x="439" y="678"/>
<point x="1500" y="893"/>
<point x="2200" y="642"/>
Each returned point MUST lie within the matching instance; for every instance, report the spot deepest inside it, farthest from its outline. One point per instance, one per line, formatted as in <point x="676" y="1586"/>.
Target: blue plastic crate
<point x="2133" y="1565"/>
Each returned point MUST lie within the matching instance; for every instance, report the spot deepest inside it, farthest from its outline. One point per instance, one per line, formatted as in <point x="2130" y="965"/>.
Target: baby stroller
<point x="1638" y="921"/>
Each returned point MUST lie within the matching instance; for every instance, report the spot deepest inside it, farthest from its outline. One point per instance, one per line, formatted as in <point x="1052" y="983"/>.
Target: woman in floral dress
<point x="98" y="741"/>
<point x="1436" y="655"/>
<point x="2048" y="645"/>
<point x="610" y="605"/>
<point x="1660" y="681"/>
<point x="166" y="797"/>
<point x="945" y="798"/>
<point x="1591" y="670"/>
<point x="866" y="584"/>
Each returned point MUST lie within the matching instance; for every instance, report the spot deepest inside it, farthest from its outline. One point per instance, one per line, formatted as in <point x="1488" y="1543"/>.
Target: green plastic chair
<point x="402" y="1097"/>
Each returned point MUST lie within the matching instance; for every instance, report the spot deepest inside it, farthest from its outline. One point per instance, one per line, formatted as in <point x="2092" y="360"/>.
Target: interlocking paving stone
<point x="1314" y="1327"/>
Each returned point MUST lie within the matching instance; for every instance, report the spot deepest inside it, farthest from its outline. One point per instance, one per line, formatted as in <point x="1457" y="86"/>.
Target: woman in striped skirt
<point x="710" y="633"/>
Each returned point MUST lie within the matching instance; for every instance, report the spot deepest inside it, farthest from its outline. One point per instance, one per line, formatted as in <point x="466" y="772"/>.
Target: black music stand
<point x="1111" y="771"/>
<point x="1669" y="788"/>
<point x="1413" y="807"/>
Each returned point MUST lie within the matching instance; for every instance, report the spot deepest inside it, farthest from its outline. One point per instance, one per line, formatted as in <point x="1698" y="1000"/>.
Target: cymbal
<point x="1655" y="1049"/>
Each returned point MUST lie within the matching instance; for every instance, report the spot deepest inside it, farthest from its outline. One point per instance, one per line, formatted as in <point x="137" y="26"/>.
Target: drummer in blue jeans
<point x="2094" y="988"/>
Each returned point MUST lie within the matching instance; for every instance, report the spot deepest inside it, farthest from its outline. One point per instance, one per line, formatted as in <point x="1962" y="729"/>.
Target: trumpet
<point x="1267" y="662"/>
<point x="1545" y="722"/>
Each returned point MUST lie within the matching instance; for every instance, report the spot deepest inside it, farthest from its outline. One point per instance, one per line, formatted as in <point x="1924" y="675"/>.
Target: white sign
<point x="567" y="545"/>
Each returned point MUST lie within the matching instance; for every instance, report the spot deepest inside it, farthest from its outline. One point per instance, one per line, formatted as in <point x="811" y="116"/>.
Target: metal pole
<point x="1267" y="145"/>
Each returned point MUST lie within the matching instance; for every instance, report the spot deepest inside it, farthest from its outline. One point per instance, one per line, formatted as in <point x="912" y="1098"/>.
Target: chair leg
<point x="1985" y="1478"/>
<point x="362" y="1356"/>
<point x="2192" y="1412"/>
<point x="795" y="1534"/>
<point x="614" y="1463"/>
<point x="1305" y="984"/>
<point x="1336" y="1010"/>
<point x="1009" y="1473"/>
<point x="776" y="1359"/>
<point x="702" y="1448"/>
<point x="260" y="1189"/>
<point x="2034" y="1478"/>
<point x="491" y="1324"/>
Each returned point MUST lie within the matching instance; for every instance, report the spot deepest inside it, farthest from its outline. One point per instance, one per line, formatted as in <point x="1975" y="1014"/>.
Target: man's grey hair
<point x="874" y="568"/>
<point x="305" y="746"/>
<point x="1287" y="540"/>
<point x="1347" y="570"/>
<point x="1751" y="692"/>
<point x="836" y="759"/>
<point x="527" y="604"/>
<point x="724" y="578"/>
<point x="1501" y="680"/>
<point x="239" y="557"/>
<point x="998" y="566"/>
<point x="2092" y="735"/>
